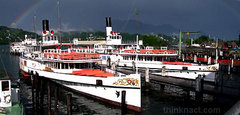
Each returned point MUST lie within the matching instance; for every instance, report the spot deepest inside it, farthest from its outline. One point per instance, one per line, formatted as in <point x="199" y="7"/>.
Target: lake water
<point x="171" y="100"/>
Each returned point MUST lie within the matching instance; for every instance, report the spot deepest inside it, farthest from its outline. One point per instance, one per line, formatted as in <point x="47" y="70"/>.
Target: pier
<point x="222" y="86"/>
<point x="45" y="97"/>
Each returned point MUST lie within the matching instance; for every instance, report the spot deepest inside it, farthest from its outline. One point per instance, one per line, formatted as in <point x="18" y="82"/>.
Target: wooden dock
<point x="224" y="85"/>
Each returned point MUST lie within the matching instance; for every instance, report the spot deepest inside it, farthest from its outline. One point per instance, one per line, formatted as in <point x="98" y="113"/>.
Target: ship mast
<point x="216" y="51"/>
<point x="136" y="39"/>
<point x="34" y="26"/>
<point x="59" y="22"/>
<point x="35" y="30"/>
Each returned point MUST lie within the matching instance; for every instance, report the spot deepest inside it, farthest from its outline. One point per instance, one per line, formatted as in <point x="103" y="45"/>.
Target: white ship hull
<point x="109" y="91"/>
<point x="118" y="60"/>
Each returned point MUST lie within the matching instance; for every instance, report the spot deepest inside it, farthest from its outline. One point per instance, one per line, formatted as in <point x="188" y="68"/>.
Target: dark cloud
<point x="219" y="18"/>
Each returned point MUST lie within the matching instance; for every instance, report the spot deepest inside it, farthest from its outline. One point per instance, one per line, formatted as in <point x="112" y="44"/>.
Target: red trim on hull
<point x="222" y="62"/>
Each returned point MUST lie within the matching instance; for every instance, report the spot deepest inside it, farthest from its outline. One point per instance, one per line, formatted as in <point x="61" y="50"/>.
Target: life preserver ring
<point x="33" y="56"/>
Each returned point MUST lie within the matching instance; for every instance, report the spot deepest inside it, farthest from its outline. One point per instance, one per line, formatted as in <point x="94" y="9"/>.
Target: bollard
<point x="123" y="103"/>
<point x="163" y="70"/>
<point x="147" y="79"/>
<point x="49" y="98"/>
<point x="69" y="104"/>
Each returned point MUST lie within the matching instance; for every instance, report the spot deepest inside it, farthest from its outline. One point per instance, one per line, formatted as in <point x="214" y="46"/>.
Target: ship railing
<point x="149" y="53"/>
<point x="85" y="50"/>
<point x="55" y="53"/>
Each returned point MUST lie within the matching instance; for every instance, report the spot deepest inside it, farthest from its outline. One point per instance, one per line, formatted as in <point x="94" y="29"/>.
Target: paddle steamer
<point x="79" y="69"/>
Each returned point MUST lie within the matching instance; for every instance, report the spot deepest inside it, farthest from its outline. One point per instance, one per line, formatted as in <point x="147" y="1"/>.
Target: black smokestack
<point x="108" y="22"/>
<point x="45" y="25"/>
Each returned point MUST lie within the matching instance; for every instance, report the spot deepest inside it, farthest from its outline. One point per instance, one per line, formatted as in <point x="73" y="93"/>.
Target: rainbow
<point x="21" y="17"/>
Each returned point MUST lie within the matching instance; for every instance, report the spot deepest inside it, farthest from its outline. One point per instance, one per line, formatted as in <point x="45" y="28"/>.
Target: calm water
<point x="171" y="100"/>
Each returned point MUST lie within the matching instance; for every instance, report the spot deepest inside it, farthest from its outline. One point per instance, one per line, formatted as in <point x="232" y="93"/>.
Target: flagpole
<point x="59" y="22"/>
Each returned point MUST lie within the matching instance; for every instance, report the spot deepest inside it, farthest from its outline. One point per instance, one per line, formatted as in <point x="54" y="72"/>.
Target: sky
<point x="217" y="18"/>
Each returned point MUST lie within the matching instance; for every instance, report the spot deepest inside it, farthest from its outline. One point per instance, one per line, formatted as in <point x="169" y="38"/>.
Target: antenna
<point x="136" y="24"/>
<point x="34" y="26"/>
<point x="59" y="22"/>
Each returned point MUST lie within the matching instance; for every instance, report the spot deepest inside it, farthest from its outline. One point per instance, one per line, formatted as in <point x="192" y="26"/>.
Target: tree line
<point x="8" y="35"/>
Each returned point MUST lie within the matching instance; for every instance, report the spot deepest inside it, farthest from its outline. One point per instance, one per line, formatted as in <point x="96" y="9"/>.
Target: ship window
<point x="71" y="65"/>
<point x="103" y="57"/>
<point x="83" y="65"/>
<point x="140" y="58"/>
<point x="77" y="66"/>
<point x="158" y="59"/>
<point x="184" y="68"/>
<point x="148" y="58"/>
<point x="99" y="82"/>
<point x="5" y="85"/>
<point x="25" y="63"/>
<point x="133" y="57"/>
<point x="124" y="57"/>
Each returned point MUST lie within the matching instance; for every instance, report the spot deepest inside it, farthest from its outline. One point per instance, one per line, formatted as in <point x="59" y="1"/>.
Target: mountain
<point x="12" y="35"/>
